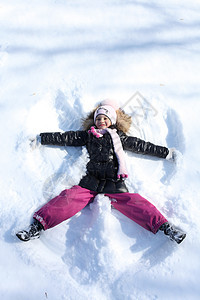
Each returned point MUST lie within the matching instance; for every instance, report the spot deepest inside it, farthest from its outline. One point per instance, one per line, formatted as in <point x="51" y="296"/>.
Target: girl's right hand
<point x="35" y="142"/>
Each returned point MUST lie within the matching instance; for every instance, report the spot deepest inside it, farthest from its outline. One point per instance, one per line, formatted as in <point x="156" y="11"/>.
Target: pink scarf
<point x="117" y="148"/>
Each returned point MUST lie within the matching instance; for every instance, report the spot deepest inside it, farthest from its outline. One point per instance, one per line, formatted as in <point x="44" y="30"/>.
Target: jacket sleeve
<point x="137" y="145"/>
<point x="68" y="138"/>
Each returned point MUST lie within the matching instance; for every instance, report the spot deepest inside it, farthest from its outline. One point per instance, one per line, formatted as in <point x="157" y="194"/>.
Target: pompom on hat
<point x="110" y="102"/>
<point x="108" y="108"/>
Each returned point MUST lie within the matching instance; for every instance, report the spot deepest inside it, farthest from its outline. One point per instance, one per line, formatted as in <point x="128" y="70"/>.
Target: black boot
<point x="33" y="232"/>
<point x="173" y="233"/>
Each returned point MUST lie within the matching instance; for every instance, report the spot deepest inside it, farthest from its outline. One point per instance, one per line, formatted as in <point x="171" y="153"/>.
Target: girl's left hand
<point x="172" y="155"/>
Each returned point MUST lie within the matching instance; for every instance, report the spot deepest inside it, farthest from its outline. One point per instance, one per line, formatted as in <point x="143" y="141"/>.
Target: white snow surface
<point x="58" y="59"/>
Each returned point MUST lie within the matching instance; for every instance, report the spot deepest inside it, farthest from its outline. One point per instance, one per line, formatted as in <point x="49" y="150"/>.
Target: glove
<point x="172" y="155"/>
<point x="35" y="142"/>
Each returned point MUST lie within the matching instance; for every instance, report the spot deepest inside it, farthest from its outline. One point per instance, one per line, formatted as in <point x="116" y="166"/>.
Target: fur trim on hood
<point x="123" y="120"/>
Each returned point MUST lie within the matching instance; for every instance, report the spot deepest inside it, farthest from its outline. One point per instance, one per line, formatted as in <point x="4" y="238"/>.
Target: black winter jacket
<point x="101" y="175"/>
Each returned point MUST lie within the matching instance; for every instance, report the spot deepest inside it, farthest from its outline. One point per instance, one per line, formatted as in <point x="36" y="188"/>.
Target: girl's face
<point x="102" y="122"/>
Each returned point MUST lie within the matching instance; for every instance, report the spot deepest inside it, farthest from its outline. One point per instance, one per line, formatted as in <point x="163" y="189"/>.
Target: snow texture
<point x="58" y="59"/>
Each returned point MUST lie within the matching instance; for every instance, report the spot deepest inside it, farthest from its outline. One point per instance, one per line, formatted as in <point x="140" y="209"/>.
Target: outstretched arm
<point x="140" y="146"/>
<point x="68" y="138"/>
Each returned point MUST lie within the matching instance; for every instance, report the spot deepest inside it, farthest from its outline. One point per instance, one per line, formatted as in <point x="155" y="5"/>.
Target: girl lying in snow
<point x="105" y="138"/>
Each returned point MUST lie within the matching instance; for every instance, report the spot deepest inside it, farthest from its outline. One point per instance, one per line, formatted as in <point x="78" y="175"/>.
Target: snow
<point x="58" y="59"/>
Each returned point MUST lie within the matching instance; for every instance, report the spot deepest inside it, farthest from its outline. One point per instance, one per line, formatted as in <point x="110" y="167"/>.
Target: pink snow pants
<point x="71" y="201"/>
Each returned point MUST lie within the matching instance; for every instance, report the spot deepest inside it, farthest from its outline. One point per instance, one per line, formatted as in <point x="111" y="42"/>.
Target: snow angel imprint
<point x="105" y="136"/>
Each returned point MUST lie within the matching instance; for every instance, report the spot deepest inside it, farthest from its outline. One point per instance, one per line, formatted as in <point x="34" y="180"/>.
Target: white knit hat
<point x="108" y="108"/>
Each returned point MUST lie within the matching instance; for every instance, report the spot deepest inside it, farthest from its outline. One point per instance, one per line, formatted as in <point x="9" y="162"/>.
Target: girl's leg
<point x="138" y="209"/>
<point x="64" y="206"/>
